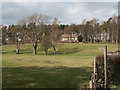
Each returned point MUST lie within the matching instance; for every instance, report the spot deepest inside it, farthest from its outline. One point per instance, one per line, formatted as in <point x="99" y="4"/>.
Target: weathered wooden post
<point x="105" y="65"/>
<point x="95" y="70"/>
<point x="95" y="74"/>
<point x="91" y="84"/>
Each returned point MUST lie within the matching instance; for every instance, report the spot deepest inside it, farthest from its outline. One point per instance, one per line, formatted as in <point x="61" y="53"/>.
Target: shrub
<point x="80" y="38"/>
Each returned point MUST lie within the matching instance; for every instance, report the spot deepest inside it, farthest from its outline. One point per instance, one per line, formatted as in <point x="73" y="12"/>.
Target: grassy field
<point x="71" y="67"/>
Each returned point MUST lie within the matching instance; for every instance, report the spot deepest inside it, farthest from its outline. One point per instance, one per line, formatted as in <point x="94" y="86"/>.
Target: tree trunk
<point x="106" y="36"/>
<point x="103" y="38"/>
<point x="112" y="38"/>
<point x="86" y="38"/>
<point x="35" y="48"/>
<point x="116" y="38"/>
<point x="99" y="37"/>
<point x="91" y="39"/>
<point x="18" y="48"/>
<point x="70" y="38"/>
<point x="54" y="50"/>
<point x="46" y="50"/>
<point x="3" y="41"/>
<point x="17" y="51"/>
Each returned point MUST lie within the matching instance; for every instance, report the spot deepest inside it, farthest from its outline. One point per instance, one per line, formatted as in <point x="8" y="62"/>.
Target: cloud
<point x="0" y="13"/>
<point x="60" y="1"/>
<point x="67" y="12"/>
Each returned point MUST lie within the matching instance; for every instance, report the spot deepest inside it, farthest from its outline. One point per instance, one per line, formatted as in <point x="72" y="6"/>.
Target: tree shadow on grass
<point x="45" y="77"/>
<point x="50" y="52"/>
<point x="8" y="52"/>
<point x="68" y="51"/>
<point x="14" y="52"/>
<point x="60" y="51"/>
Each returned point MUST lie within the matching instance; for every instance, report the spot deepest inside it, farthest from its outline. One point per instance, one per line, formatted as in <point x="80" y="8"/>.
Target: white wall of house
<point x="74" y="38"/>
<point x="64" y="39"/>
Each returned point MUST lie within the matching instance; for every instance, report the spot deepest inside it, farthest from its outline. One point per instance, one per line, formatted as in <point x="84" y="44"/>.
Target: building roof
<point x="68" y="36"/>
<point x="74" y="35"/>
<point x="65" y="36"/>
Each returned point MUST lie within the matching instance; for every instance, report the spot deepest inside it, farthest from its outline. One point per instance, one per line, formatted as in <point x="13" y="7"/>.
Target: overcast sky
<point x="66" y="12"/>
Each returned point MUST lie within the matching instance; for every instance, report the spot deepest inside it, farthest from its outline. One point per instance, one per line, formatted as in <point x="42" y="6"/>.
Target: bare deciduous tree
<point x="14" y="36"/>
<point x="55" y="34"/>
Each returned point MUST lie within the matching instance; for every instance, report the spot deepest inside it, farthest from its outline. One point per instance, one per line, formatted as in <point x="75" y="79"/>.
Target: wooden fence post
<point x="91" y="84"/>
<point x="95" y="71"/>
<point x="105" y="65"/>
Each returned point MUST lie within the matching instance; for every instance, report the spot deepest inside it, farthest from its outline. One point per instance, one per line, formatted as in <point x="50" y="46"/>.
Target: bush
<point x="80" y="38"/>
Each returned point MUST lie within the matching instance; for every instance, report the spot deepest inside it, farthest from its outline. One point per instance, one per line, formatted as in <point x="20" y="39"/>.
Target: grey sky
<point x="66" y="12"/>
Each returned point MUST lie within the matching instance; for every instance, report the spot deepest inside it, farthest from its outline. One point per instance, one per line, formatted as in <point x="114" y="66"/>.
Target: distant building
<point x="69" y="38"/>
<point x="73" y="38"/>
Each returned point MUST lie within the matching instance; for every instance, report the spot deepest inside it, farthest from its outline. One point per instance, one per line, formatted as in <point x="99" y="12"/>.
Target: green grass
<point x="71" y="67"/>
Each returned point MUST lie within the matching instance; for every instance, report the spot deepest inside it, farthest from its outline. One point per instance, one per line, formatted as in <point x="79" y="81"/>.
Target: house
<point x="69" y="38"/>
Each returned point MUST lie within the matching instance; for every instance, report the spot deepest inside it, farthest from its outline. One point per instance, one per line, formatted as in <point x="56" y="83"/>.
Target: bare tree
<point x="46" y="40"/>
<point x="34" y="24"/>
<point x="55" y="34"/>
<point x="94" y="28"/>
<point x="70" y="30"/>
<point x="14" y="36"/>
<point x="114" y="28"/>
<point x="4" y="33"/>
